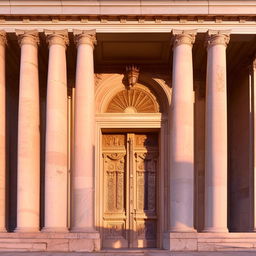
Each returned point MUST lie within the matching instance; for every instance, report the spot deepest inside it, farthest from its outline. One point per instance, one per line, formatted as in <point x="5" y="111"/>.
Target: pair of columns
<point x="182" y="134"/>
<point x="56" y="165"/>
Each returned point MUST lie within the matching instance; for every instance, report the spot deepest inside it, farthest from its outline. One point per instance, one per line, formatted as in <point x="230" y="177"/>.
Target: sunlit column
<point x="82" y="211"/>
<point x="252" y="118"/>
<point x="2" y="133"/>
<point x="216" y="133"/>
<point x="182" y="134"/>
<point x="56" y="134"/>
<point x="28" y="135"/>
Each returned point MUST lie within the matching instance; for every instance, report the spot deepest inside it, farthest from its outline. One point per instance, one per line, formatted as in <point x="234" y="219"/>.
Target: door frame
<point x="144" y="122"/>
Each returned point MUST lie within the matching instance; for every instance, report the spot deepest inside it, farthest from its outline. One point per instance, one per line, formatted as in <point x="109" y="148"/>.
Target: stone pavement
<point x="130" y="253"/>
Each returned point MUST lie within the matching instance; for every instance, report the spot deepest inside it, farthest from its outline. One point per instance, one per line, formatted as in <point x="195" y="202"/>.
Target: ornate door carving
<point x="130" y="167"/>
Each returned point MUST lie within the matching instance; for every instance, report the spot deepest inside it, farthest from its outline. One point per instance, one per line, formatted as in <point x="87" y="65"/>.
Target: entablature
<point x="131" y="24"/>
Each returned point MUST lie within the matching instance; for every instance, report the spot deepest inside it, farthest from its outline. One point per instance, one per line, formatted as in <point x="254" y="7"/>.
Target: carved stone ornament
<point x="254" y="64"/>
<point x="183" y="37"/>
<point x="57" y="37"/>
<point x="27" y="37"/>
<point x="252" y="67"/>
<point x="3" y="40"/>
<point x="132" y="73"/>
<point x="85" y="37"/>
<point x="134" y="100"/>
<point x="215" y="37"/>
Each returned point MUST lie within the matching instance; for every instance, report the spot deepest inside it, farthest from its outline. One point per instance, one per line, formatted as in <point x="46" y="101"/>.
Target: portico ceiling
<point x="132" y="48"/>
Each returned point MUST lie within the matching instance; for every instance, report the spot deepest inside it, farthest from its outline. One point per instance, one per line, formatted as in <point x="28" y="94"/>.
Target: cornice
<point x="138" y="7"/>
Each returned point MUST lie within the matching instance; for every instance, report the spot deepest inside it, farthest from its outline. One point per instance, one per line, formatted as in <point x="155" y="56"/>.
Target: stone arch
<point x="155" y="90"/>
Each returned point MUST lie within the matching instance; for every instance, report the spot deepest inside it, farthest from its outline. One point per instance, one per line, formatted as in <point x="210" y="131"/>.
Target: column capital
<point x="3" y="40"/>
<point x="254" y="64"/>
<point x="27" y="37"/>
<point x="85" y="37"/>
<point x="57" y="37"/>
<point x="183" y="37"/>
<point x="215" y="37"/>
<point x="252" y="67"/>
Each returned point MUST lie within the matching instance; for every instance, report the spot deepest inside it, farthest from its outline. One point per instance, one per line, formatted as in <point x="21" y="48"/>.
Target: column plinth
<point x="182" y="135"/>
<point x="82" y="211"/>
<point x="28" y="183"/>
<point x="56" y="157"/>
<point x="2" y="134"/>
<point x="216" y="134"/>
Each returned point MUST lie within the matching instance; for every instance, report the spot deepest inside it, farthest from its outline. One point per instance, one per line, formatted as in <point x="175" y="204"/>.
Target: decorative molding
<point x="85" y="37"/>
<point x="254" y="64"/>
<point x="98" y="77"/>
<point x="57" y="37"/>
<point x="134" y="100"/>
<point x="183" y="37"/>
<point x="27" y="37"/>
<point x="123" y="19"/>
<point x="3" y="40"/>
<point x="218" y="19"/>
<point x="215" y="37"/>
<point x="201" y="23"/>
<point x="132" y="73"/>
<point x="252" y="67"/>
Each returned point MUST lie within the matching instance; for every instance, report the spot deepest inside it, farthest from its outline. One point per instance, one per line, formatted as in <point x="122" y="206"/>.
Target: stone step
<point x="129" y="253"/>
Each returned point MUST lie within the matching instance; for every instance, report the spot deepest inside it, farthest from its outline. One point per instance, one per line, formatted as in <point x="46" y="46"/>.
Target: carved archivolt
<point x="135" y="100"/>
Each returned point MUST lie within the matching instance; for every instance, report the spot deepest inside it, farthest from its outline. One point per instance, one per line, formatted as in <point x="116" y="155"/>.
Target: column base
<point x="182" y="230"/>
<point x="54" y="230"/>
<point x="26" y="230"/>
<point x="3" y="230"/>
<point x="215" y="230"/>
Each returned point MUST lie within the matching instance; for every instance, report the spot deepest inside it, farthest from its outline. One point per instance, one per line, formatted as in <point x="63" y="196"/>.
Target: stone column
<point x="216" y="133"/>
<point x="182" y="134"/>
<point x="28" y="184"/>
<point x="2" y="133"/>
<point x="56" y="157"/>
<point x="82" y="212"/>
<point x="252" y="118"/>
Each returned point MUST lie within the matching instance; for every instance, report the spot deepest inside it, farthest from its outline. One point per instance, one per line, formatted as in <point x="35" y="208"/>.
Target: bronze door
<point x="130" y="168"/>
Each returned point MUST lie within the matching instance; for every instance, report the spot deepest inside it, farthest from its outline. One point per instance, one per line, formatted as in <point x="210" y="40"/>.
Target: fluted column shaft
<point x="182" y="135"/>
<point x="216" y="134"/>
<point x="2" y="134"/>
<point x="253" y="142"/>
<point x="28" y="135"/>
<point x="56" y="134"/>
<point x="82" y="211"/>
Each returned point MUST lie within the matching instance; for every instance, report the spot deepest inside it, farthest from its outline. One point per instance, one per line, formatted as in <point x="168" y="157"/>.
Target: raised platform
<point x="210" y="242"/>
<point x="49" y="242"/>
<point x="90" y="242"/>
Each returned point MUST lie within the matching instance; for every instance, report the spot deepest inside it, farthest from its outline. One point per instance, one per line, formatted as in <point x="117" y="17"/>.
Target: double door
<point x="130" y="177"/>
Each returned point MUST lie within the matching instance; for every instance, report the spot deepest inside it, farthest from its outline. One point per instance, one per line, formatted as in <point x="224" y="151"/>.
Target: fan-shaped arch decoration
<point x="135" y="100"/>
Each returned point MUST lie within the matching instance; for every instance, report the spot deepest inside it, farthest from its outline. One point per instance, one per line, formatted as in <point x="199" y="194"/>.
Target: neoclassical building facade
<point x="127" y="125"/>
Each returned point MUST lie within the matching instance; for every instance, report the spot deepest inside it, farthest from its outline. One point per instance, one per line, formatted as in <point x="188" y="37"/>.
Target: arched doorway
<point x="131" y="153"/>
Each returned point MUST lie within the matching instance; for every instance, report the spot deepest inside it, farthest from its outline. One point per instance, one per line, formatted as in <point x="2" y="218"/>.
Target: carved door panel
<point x="130" y="166"/>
